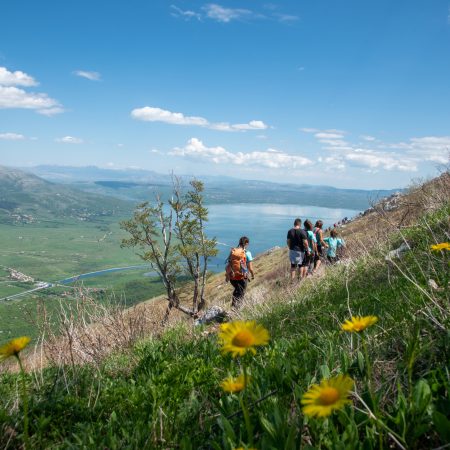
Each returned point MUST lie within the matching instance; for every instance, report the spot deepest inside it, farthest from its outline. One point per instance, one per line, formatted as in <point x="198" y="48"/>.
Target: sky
<point x="352" y="94"/>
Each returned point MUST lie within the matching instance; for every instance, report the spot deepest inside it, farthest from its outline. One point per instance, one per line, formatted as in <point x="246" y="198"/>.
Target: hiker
<point x="239" y="265"/>
<point x="308" y="263"/>
<point x="321" y="245"/>
<point x="297" y="242"/>
<point x="333" y="244"/>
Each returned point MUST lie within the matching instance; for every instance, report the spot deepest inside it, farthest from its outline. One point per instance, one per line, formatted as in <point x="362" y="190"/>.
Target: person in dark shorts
<point x="297" y="242"/>
<point x="321" y="244"/>
<point x="308" y="262"/>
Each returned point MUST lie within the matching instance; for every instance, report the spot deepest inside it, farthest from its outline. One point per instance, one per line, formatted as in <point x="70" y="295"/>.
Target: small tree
<point x="172" y="239"/>
<point x="193" y="245"/>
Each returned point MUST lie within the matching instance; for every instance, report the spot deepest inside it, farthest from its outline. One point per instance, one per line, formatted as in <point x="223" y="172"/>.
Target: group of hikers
<point x="308" y="247"/>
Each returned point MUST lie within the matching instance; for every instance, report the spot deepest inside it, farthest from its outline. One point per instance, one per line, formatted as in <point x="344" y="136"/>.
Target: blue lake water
<point x="266" y="225"/>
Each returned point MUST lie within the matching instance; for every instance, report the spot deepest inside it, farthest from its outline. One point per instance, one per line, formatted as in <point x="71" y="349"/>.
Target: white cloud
<point x="152" y="114"/>
<point x="69" y="140"/>
<point x="271" y="158"/>
<point x="17" y="78"/>
<point x="12" y="136"/>
<point x="222" y="14"/>
<point x="185" y="14"/>
<point x="332" y="163"/>
<point x="429" y="148"/>
<point x="287" y="18"/>
<point x="346" y="153"/>
<point x="368" y="138"/>
<point x="12" y="97"/>
<point x="309" y="130"/>
<point x="334" y="142"/>
<point x="49" y="112"/>
<point x="327" y="135"/>
<point x="93" y="76"/>
<point x="380" y="160"/>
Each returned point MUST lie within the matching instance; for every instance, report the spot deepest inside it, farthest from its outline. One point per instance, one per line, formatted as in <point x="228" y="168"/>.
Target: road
<point x="74" y="278"/>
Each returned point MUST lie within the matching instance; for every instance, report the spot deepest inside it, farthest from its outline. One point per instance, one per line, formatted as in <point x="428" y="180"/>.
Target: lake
<point x="266" y="225"/>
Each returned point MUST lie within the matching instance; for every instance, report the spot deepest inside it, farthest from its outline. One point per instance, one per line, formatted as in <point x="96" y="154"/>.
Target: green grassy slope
<point x="165" y="392"/>
<point x="26" y="198"/>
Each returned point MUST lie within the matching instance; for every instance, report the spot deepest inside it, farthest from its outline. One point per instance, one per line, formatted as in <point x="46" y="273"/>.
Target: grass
<point x="57" y="250"/>
<point x="164" y="391"/>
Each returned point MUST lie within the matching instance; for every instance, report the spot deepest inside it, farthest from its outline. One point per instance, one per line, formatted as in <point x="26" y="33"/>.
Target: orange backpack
<point x="236" y="268"/>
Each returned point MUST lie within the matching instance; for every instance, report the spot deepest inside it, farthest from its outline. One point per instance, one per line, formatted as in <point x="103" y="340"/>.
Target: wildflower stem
<point x="392" y="434"/>
<point x="243" y="401"/>
<point x="370" y="389"/>
<point x="26" y="438"/>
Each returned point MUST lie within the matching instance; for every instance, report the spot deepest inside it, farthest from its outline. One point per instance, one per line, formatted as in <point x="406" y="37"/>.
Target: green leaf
<point x="442" y="425"/>
<point x="325" y="371"/>
<point x="421" y="396"/>
<point x="361" y="363"/>
<point x="268" y="427"/>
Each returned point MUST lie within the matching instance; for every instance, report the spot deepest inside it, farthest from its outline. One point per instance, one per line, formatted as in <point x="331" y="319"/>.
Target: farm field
<point x="52" y="251"/>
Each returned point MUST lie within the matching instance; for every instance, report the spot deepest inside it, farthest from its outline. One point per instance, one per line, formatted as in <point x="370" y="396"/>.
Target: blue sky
<point x="351" y="93"/>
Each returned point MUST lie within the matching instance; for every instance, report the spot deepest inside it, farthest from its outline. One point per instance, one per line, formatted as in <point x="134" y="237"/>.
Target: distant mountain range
<point x="139" y="185"/>
<point x="26" y="198"/>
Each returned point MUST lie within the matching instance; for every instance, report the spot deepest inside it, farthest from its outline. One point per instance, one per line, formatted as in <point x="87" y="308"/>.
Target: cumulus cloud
<point x="366" y="137"/>
<point x="328" y="135"/>
<point x="17" y="78"/>
<point x="12" y="97"/>
<point x="345" y="153"/>
<point x="380" y="160"/>
<point x="185" y="14"/>
<point x="69" y="140"/>
<point x="152" y="114"/>
<point x="429" y="148"/>
<point x="222" y="14"/>
<point x="270" y="158"/>
<point x="332" y="163"/>
<point x="12" y="136"/>
<point x="93" y="76"/>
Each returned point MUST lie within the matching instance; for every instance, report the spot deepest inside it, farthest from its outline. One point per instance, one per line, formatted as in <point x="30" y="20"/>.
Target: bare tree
<point x="172" y="239"/>
<point x="193" y="245"/>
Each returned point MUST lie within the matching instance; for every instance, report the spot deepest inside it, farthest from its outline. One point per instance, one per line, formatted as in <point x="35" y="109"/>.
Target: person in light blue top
<point x="308" y="261"/>
<point x="333" y="244"/>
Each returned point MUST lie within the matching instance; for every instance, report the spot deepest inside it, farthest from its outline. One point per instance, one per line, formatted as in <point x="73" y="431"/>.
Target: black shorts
<point x="308" y="260"/>
<point x="319" y="254"/>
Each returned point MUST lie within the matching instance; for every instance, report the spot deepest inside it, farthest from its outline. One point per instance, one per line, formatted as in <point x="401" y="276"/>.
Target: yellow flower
<point x="242" y="448"/>
<point x="240" y="337"/>
<point x="359" y="323"/>
<point x="332" y="394"/>
<point x="231" y="384"/>
<point x="14" y="347"/>
<point x="440" y="247"/>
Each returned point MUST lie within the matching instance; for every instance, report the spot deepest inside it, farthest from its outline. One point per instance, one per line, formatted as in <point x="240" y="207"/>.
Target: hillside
<point x="125" y="382"/>
<point x="26" y="198"/>
<point x="140" y="185"/>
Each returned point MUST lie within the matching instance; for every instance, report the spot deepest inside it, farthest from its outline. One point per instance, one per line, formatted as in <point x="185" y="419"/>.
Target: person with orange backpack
<point x="239" y="266"/>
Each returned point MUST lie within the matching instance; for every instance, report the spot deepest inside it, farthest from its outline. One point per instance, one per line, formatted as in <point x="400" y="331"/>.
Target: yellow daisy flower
<point x="332" y="394"/>
<point x="239" y="337"/>
<point x="359" y="323"/>
<point x="441" y="246"/>
<point x="14" y="347"/>
<point x="232" y="384"/>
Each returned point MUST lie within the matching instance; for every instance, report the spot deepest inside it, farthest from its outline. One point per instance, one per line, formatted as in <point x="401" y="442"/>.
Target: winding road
<point x="46" y="285"/>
